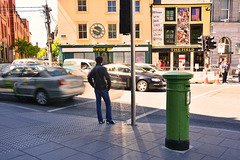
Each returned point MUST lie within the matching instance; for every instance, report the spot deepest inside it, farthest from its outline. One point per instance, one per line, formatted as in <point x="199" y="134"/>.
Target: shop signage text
<point x="101" y="49"/>
<point x="182" y="50"/>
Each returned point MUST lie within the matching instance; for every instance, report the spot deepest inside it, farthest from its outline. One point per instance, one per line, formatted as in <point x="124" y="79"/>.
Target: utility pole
<point x="49" y="37"/>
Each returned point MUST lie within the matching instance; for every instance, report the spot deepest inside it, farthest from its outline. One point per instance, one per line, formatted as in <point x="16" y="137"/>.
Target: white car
<point x="151" y="68"/>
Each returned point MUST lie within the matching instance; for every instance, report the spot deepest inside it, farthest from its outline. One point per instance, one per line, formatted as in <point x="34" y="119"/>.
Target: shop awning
<point x="128" y="49"/>
<point x="77" y="49"/>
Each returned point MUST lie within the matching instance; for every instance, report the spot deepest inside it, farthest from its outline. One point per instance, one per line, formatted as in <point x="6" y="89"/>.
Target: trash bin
<point x="177" y="110"/>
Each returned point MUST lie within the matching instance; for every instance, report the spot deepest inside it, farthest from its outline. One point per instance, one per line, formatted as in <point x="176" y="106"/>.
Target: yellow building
<point x="175" y="31"/>
<point x="90" y="28"/>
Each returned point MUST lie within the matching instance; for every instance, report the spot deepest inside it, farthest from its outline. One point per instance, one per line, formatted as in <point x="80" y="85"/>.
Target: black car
<point x="144" y="80"/>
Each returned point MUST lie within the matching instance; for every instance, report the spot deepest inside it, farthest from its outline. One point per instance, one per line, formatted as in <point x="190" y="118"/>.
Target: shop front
<point x="110" y="53"/>
<point x="181" y="59"/>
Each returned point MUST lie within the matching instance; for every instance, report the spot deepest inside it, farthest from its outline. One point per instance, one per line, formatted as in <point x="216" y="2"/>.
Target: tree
<point x="22" y="47"/>
<point x="33" y="50"/>
<point x="25" y="49"/>
<point x="41" y="53"/>
<point x="55" y="49"/>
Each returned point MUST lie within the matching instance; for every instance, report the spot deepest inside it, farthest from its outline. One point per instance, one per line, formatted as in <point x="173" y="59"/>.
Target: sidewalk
<point x="30" y="135"/>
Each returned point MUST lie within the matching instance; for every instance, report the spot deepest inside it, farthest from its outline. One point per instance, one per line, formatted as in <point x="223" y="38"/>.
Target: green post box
<point x="177" y="110"/>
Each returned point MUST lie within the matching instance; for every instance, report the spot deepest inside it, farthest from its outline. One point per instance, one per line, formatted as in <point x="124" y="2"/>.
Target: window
<point x="239" y="12"/>
<point x="82" y="29"/>
<point x="237" y="48"/>
<point x="112" y="31"/>
<point x="196" y="14"/>
<point x="111" y="6"/>
<point x="82" y="5"/>
<point x="224" y="10"/>
<point x="195" y="32"/>
<point x="227" y="44"/>
<point x="137" y="30"/>
<point x="169" y="34"/>
<point x="137" y="6"/>
<point x="170" y="14"/>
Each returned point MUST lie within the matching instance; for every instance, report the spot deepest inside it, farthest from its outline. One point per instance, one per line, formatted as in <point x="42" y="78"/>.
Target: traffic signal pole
<point x="133" y="75"/>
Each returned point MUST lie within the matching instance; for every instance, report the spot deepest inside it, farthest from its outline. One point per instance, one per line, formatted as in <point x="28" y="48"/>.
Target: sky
<point x="36" y="18"/>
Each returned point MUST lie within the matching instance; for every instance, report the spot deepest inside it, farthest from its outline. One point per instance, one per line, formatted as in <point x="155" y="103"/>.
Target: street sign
<point x="221" y="47"/>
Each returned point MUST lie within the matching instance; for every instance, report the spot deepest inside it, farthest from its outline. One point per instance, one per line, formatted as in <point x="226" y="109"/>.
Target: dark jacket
<point x="98" y="77"/>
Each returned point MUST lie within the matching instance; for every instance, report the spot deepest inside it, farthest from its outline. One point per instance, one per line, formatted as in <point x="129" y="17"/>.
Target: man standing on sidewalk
<point x="225" y="70"/>
<point x="97" y="79"/>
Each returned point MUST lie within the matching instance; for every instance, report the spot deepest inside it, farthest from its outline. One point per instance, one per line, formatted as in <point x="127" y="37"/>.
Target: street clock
<point x="97" y="30"/>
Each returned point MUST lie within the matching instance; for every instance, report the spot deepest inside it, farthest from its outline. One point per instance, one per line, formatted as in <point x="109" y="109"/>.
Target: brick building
<point x="12" y="26"/>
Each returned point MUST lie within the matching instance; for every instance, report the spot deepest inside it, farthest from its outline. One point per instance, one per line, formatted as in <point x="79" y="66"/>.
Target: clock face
<point x="97" y="30"/>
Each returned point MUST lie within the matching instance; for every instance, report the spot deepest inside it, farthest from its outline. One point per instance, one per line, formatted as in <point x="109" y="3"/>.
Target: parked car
<point x="43" y="83"/>
<point x="83" y="65"/>
<point x="144" y="80"/>
<point x="151" y="68"/>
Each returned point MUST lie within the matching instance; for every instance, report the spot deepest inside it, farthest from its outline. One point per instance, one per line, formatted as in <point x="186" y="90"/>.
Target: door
<point x="106" y="57"/>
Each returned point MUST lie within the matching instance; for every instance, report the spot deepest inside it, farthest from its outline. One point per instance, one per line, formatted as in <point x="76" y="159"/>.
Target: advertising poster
<point x="183" y="26"/>
<point x="157" y="23"/>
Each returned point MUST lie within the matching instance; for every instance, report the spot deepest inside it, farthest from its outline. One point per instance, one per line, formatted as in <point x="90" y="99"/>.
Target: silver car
<point x="42" y="83"/>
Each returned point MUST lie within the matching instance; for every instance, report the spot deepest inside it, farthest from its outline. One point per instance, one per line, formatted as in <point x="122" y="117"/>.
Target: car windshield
<point x="138" y="69"/>
<point x="56" y="71"/>
<point x="92" y="64"/>
<point x="156" y="67"/>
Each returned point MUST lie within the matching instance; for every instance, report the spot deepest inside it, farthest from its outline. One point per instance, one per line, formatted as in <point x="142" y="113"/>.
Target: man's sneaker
<point x="111" y="122"/>
<point x="101" y="122"/>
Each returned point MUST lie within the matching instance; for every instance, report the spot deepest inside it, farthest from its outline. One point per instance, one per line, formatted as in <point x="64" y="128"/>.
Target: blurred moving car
<point x="151" y="68"/>
<point x="83" y="65"/>
<point x="144" y="80"/>
<point x="4" y="67"/>
<point x="43" y="83"/>
<point x="29" y="61"/>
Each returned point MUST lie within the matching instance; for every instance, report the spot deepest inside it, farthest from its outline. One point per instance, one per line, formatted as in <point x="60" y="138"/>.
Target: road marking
<point x="17" y="106"/>
<point x="203" y="94"/>
<point x="143" y="115"/>
<point x="58" y="109"/>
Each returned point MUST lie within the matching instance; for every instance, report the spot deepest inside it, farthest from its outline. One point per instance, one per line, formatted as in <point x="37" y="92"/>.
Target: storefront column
<point x="171" y="61"/>
<point x="192" y="61"/>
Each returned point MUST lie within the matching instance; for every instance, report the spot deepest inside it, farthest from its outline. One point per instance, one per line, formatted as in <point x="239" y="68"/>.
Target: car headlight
<point x="156" y="80"/>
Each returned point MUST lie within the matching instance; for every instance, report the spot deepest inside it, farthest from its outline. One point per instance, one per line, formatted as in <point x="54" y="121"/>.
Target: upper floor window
<point x="112" y="31"/>
<point x="82" y="5"/>
<point x="111" y="6"/>
<point x="224" y="9"/>
<point x="169" y="34"/>
<point x="137" y="30"/>
<point x="239" y="12"/>
<point x="196" y="14"/>
<point x="169" y="14"/>
<point x="82" y="30"/>
<point x="195" y="32"/>
<point x="227" y="44"/>
<point x="137" y="6"/>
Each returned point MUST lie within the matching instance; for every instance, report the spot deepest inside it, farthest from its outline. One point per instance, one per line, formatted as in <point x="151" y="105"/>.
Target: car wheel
<point x="41" y="97"/>
<point x="142" y="86"/>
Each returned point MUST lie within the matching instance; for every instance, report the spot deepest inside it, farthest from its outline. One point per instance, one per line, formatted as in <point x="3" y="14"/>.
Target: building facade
<point x="90" y="28"/>
<point x="176" y="26"/>
<point x="12" y="26"/>
<point x="225" y="28"/>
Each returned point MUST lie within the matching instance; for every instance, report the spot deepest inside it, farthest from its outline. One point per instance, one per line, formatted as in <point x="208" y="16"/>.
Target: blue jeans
<point x="103" y="94"/>
<point x="239" y="77"/>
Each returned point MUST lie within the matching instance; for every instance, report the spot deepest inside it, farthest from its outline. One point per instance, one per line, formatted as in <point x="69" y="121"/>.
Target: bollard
<point x="177" y="110"/>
